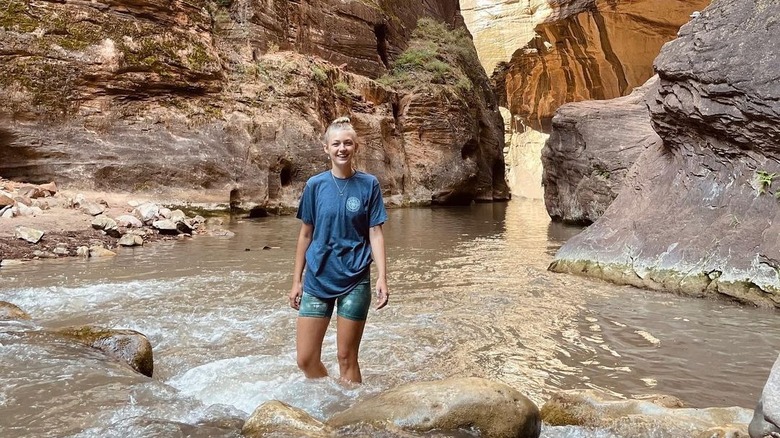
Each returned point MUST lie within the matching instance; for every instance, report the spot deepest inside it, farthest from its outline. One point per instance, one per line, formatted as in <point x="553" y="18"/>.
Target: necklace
<point x="341" y="191"/>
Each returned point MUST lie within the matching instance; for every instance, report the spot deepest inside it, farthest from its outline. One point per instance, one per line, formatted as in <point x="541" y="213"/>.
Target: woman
<point x="342" y="214"/>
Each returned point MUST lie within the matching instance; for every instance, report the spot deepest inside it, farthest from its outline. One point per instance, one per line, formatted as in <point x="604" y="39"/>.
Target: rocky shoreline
<point x="39" y="221"/>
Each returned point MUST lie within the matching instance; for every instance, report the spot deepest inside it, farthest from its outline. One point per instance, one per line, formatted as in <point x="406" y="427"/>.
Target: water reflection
<point x="471" y="297"/>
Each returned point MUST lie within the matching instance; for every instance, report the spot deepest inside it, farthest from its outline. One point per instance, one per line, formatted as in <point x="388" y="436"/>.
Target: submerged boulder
<point x="275" y="418"/>
<point x="9" y="311"/>
<point x="636" y="418"/>
<point x="493" y="408"/>
<point x="128" y="346"/>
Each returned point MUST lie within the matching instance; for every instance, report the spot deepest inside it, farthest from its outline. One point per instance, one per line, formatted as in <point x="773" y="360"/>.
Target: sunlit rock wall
<point x="202" y="99"/>
<point x="582" y="50"/>
<point x="702" y="215"/>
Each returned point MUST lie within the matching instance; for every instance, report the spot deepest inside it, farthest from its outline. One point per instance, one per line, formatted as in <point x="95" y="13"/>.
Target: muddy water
<point x="471" y="297"/>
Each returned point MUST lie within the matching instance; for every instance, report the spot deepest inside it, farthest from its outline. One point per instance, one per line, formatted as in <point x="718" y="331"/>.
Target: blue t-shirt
<point x="341" y="211"/>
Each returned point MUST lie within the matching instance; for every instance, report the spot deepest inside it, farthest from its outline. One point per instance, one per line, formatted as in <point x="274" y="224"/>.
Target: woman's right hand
<point x="295" y="296"/>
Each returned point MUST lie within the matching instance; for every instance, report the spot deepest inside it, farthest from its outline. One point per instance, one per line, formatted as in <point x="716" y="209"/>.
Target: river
<point x="471" y="296"/>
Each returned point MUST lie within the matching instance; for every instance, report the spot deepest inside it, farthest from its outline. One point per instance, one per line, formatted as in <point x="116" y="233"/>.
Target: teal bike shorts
<point x="353" y="305"/>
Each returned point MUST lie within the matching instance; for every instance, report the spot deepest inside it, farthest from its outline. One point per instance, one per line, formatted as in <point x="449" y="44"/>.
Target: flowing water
<point x="471" y="296"/>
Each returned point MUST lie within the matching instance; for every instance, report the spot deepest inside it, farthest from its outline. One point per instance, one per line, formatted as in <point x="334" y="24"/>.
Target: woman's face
<point x="341" y="147"/>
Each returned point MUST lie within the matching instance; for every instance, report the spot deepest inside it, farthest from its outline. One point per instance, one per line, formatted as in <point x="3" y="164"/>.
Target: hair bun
<point x="341" y="120"/>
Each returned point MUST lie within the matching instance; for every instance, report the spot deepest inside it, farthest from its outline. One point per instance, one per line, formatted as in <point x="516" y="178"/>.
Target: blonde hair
<point x="340" y="124"/>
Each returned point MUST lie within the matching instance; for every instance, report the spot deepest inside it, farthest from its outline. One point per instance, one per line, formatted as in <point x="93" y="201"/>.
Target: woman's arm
<point x="377" y="239"/>
<point x="304" y="240"/>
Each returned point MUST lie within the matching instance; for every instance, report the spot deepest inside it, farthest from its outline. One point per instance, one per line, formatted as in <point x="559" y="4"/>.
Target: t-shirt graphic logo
<point x="353" y="204"/>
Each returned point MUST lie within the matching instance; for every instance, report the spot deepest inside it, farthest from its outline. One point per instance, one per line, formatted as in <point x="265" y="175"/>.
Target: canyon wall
<point x="203" y="100"/>
<point x="579" y="50"/>
<point x="701" y="216"/>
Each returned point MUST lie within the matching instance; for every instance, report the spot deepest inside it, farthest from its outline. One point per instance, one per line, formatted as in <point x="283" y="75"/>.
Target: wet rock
<point x="147" y="212"/>
<point x="766" y="417"/>
<point x="10" y="262"/>
<point x="82" y="251"/>
<point x="12" y="312"/>
<point x="220" y="232"/>
<point x="100" y="251"/>
<point x="61" y="251"/>
<point x="44" y="254"/>
<point x="622" y="417"/>
<point x="131" y="240"/>
<point x="91" y="208"/>
<point x="29" y="234"/>
<point x="275" y="418"/>
<point x="129" y="221"/>
<point x="185" y="226"/>
<point x="493" y="408"/>
<point x="128" y="346"/>
<point x="166" y="226"/>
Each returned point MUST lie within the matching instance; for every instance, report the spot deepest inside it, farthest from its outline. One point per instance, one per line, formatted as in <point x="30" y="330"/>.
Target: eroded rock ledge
<point x="702" y="215"/>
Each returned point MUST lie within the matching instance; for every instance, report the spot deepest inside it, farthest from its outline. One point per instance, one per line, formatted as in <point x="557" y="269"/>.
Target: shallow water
<point x="471" y="296"/>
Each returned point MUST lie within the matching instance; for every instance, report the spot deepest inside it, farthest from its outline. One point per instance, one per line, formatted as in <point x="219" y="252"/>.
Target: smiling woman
<point x="341" y="235"/>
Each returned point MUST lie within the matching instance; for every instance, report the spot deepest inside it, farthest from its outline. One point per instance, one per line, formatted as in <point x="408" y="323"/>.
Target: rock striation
<point x="702" y="216"/>
<point x="224" y="101"/>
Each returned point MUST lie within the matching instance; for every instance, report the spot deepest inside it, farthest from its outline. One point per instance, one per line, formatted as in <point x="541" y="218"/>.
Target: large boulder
<point x="636" y="418"/>
<point x="128" y="346"/>
<point x="225" y="101"/>
<point x="586" y="159"/>
<point x="493" y="408"/>
<point x="766" y="418"/>
<point x="702" y="215"/>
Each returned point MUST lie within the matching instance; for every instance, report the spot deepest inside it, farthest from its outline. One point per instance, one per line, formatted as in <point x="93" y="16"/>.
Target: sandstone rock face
<point x="589" y="50"/>
<point x="495" y="409"/>
<point x="592" y="146"/>
<point x="701" y="216"/>
<point x="544" y="54"/>
<point x="642" y="418"/>
<point x="224" y="101"/>
<point x="128" y="346"/>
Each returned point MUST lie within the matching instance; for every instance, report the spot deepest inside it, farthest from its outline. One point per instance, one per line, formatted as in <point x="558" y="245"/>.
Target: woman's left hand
<point x="382" y="295"/>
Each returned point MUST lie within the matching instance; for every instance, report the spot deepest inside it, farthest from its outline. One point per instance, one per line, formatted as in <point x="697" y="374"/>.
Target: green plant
<point x="341" y="87"/>
<point x="319" y="75"/>
<point x="764" y="180"/>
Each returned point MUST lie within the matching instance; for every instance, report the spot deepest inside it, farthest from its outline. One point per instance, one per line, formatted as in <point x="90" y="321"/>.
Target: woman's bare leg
<point x="348" y="336"/>
<point x="309" y="335"/>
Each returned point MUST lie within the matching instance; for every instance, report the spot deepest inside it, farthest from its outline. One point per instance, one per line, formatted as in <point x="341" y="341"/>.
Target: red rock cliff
<point x="200" y="99"/>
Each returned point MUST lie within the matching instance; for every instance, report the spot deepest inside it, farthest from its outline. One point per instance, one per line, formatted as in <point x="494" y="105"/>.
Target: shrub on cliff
<point x="435" y="55"/>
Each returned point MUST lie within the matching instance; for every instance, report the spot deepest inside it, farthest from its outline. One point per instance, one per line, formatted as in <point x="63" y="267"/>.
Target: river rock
<point x="636" y="418"/>
<point x="147" y="212"/>
<point x="165" y="213"/>
<point x="92" y="208"/>
<point x="29" y="234"/>
<point x="766" y="417"/>
<point x="495" y="409"/>
<point x="128" y="346"/>
<point x="5" y="200"/>
<point x="129" y="221"/>
<point x="7" y="213"/>
<point x="61" y="251"/>
<point x="700" y="217"/>
<point x="177" y="216"/>
<point x="10" y="262"/>
<point x="49" y="189"/>
<point x="104" y="223"/>
<point x="44" y="254"/>
<point x="131" y="240"/>
<point x="275" y="418"/>
<point x="82" y="251"/>
<point x="24" y="210"/>
<point x="12" y="312"/>
<point x="166" y="226"/>
<point x="100" y="251"/>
